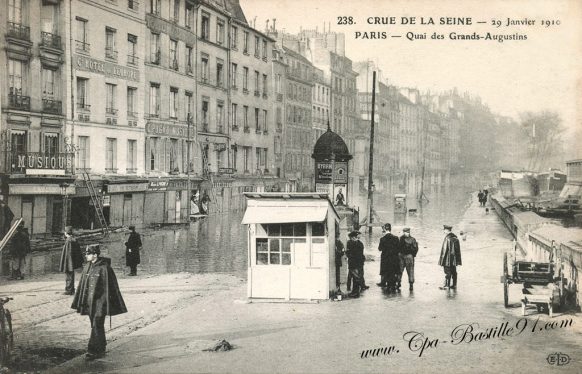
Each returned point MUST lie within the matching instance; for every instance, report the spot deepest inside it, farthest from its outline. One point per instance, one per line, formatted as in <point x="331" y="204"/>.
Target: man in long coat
<point x="389" y="261"/>
<point x="355" y="254"/>
<point x="98" y="296"/>
<point x="450" y="257"/>
<point x="71" y="259"/>
<point x="6" y="217"/>
<point x="132" y="248"/>
<point x="19" y="248"/>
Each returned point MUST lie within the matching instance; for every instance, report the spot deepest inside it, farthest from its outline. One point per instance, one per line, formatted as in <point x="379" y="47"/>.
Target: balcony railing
<point x="18" y="31"/>
<point x="111" y="170"/>
<point x="131" y="170"/>
<point x="204" y="127"/>
<point x="52" y="106"/>
<point x="265" y="95"/>
<point x="50" y="40"/>
<point x="234" y="127"/>
<point x="17" y="101"/>
<point x="246" y="91"/>
<point x="83" y="106"/>
<point x="111" y="53"/>
<point x="131" y="114"/>
<point x="258" y="131"/>
<point x="132" y="59"/>
<point x="279" y="127"/>
<point x="247" y="129"/>
<point x="189" y="69"/>
<point x="82" y="46"/>
<point x="257" y="93"/>
<point x="174" y="65"/>
<point x="220" y="129"/>
<point x="19" y="161"/>
<point x="111" y="111"/>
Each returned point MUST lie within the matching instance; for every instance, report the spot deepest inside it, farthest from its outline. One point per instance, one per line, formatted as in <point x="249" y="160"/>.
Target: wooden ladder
<point x="6" y="239"/>
<point x="97" y="202"/>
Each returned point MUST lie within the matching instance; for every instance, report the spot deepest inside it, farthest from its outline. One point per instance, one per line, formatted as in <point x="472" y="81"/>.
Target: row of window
<point x="111" y="151"/>
<point x="19" y="142"/>
<point x="175" y="15"/>
<point x="18" y="82"/>
<point x="111" y="98"/>
<point x="298" y="92"/>
<point x="111" y="44"/>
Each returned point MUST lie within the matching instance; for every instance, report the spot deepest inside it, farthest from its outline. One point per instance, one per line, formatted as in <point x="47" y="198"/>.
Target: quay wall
<point x="541" y="239"/>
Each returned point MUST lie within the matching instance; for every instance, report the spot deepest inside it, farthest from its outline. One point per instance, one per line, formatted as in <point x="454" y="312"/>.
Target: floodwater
<point x="218" y="244"/>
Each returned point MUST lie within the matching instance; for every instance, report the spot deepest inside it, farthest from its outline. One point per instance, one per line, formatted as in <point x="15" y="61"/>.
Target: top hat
<point x="406" y="229"/>
<point x="447" y="227"/>
<point x="354" y="234"/>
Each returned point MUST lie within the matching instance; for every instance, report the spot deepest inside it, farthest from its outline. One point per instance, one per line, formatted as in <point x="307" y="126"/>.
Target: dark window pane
<point x="275" y="258"/>
<point x="301" y="240"/>
<point x="274" y="230"/>
<point x="286" y="247"/>
<point x="262" y="245"/>
<point x="318" y="240"/>
<point x="318" y="229"/>
<point x="287" y="230"/>
<point x="274" y="245"/>
<point x="300" y="229"/>
<point x="262" y="259"/>
<point x="286" y="260"/>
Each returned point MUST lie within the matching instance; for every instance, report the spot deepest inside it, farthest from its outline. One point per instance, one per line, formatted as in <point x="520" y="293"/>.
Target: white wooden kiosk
<point x="291" y="245"/>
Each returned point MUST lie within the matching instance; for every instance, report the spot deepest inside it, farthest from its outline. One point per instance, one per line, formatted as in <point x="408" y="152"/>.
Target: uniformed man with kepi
<point x="450" y="257"/>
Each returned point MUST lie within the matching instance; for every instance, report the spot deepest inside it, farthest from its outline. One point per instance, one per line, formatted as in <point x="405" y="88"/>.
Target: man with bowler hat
<point x="355" y="254"/>
<point x="408" y="251"/>
<point x="71" y="259"/>
<point x="132" y="248"/>
<point x="389" y="262"/>
<point x="97" y="296"/>
<point x="450" y="257"/>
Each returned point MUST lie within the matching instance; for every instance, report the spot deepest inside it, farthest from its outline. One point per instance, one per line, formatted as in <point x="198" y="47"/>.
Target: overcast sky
<point x="542" y="72"/>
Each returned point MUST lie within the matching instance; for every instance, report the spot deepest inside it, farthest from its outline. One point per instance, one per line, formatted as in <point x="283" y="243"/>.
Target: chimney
<point x="274" y="23"/>
<point x="267" y="25"/>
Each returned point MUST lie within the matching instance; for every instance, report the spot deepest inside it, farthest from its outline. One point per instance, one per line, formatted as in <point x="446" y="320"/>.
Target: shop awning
<point x="279" y="214"/>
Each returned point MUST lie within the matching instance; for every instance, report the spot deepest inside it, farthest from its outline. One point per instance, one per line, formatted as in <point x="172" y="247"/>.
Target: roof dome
<point x="331" y="143"/>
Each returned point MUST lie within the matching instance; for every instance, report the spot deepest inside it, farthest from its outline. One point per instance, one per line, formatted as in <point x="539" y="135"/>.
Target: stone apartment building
<point x="36" y="162"/>
<point x="143" y="97"/>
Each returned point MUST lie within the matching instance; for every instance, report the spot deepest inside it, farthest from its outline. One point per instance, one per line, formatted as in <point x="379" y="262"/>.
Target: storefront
<point x="291" y="245"/>
<point x="166" y="200"/>
<point x="123" y="203"/>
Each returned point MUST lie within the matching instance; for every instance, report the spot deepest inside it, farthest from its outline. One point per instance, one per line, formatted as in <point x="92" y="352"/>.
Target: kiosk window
<point x="318" y="229"/>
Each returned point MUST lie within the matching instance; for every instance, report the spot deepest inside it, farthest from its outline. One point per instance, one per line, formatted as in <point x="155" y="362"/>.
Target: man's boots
<point x="447" y="283"/>
<point x="411" y="287"/>
<point x="454" y="281"/>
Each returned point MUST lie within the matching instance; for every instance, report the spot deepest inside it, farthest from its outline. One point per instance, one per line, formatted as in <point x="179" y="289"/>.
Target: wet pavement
<point x="331" y="336"/>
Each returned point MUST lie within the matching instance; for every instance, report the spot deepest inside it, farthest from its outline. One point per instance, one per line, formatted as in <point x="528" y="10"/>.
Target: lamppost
<point x="64" y="187"/>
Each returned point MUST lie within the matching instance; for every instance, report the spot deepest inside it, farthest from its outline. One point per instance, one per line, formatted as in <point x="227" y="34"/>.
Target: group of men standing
<point x="397" y="255"/>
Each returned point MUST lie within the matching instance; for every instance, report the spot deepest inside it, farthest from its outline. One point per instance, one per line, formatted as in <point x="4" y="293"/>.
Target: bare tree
<point x="543" y="132"/>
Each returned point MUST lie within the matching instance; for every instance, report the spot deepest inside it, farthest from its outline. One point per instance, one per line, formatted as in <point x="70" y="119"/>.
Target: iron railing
<point x="17" y="101"/>
<point x="52" y="106"/>
<point x="132" y="59"/>
<point x="18" y="31"/>
<point x="82" y="46"/>
<point x="50" y="40"/>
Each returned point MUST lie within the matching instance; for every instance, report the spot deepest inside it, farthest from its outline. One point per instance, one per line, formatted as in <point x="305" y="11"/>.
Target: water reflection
<point x="218" y="244"/>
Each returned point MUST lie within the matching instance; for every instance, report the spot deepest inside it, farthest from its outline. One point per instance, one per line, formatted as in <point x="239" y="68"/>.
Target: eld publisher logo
<point x="558" y="359"/>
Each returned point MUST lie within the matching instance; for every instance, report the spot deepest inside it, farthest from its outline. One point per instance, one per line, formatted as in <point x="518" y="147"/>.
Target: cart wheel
<point x="505" y="282"/>
<point x="522" y="308"/>
<point x="550" y="310"/>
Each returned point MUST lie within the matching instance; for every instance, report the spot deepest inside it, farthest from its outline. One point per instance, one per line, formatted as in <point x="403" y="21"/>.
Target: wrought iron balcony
<point x="17" y="101"/>
<point x="131" y="114"/>
<point x="279" y="97"/>
<point x="110" y="53"/>
<point x="258" y="131"/>
<point x="50" y="40"/>
<point x="83" y="106"/>
<point x="257" y="93"/>
<point x="174" y="65"/>
<point x="111" y="111"/>
<point x="247" y="129"/>
<point x="132" y="59"/>
<point x="52" y="106"/>
<point x="204" y="127"/>
<point x="265" y="95"/>
<point x="82" y="46"/>
<point x="234" y="127"/>
<point x="18" y="31"/>
<point x="220" y="129"/>
<point x="246" y="91"/>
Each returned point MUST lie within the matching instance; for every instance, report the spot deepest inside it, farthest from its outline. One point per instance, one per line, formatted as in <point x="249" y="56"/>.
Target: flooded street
<point x="218" y="244"/>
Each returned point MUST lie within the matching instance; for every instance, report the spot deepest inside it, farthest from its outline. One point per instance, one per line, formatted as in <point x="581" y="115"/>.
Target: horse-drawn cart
<point x="543" y="282"/>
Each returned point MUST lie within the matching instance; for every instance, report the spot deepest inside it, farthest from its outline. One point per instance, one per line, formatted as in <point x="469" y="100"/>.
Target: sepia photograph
<point x="290" y="186"/>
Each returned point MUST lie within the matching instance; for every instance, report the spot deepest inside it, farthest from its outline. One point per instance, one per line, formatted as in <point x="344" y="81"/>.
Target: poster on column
<point x="469" y="108"/>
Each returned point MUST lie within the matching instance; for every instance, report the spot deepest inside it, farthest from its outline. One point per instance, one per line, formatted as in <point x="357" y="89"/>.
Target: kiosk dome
<point x="330" y="144"/>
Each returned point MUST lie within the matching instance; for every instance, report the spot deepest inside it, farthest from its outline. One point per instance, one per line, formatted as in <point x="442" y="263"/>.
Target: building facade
<point x="36" y="166"/>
